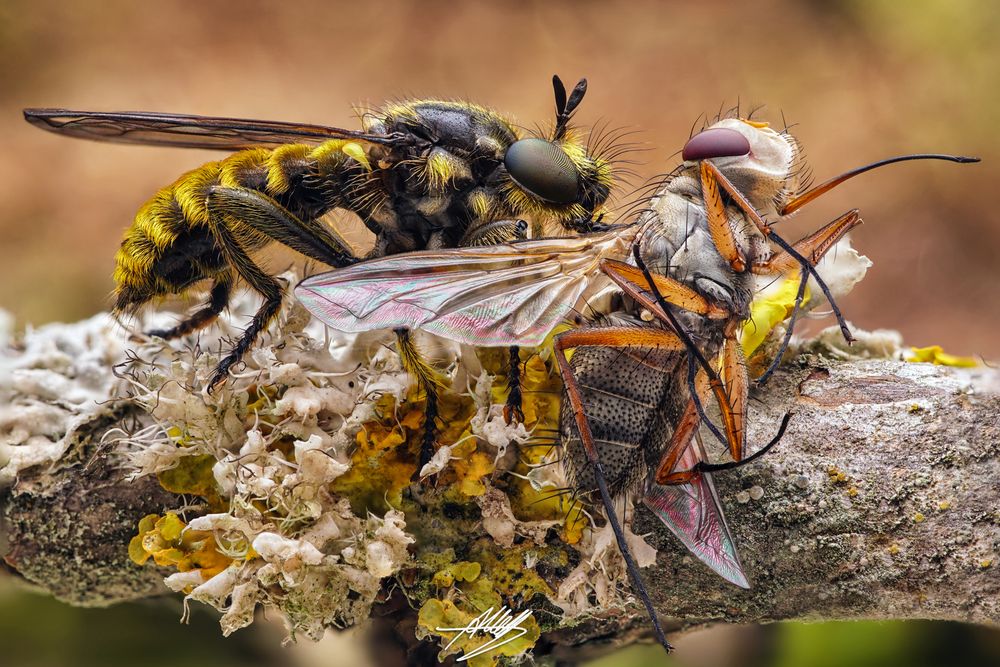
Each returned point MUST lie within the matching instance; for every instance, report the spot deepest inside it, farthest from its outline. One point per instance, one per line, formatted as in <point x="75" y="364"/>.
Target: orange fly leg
<point x="679" y="442"/>
<point x="738" y="198"/>
<point x="812" y="247"/>
<point x="732" y="420"/>
<point x="732" y="399"/>
<point x="734" y="370"/>
<point x="634" y="283"/>
<point x="807" y="267"/>
<point x="718" y="221"/>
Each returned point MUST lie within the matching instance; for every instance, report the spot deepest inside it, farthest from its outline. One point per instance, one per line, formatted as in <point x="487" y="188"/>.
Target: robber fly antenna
<point x="566" y="106"/>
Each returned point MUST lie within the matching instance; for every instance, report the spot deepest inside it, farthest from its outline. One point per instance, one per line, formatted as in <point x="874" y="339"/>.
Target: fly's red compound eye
<point x="716" y="142"/>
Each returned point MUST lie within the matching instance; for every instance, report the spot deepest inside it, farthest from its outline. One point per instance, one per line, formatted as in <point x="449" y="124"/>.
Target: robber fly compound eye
<point x="716" y="142"/>
<point x="543" y="169"/>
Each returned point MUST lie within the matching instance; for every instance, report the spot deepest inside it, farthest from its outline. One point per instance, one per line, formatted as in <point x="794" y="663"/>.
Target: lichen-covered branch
<point x="880" y="502"/>
<point x="293" y="487"/>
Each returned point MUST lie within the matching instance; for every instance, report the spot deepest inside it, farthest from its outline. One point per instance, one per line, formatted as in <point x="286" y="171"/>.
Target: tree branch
<point x="880" y="502"/>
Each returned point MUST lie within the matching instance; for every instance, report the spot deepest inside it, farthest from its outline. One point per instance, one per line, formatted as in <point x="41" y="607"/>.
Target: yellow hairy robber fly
<point x="426" y="174"/>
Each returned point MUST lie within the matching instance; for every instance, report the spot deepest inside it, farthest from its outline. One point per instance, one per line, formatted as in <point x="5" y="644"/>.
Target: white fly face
<point x="766" y="175"/>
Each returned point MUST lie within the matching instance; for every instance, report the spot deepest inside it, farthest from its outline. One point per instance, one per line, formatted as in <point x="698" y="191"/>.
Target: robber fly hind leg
<point x="261" y="282"/>
<point x="512" y="410"/>
<point x="430" y="384"/>
<point x="218" y="299"/>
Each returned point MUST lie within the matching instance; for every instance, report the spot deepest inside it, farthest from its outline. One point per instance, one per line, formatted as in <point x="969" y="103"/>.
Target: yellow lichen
<point x="381" y="467"/>
<point x="437" y="614"/>
<point x="193" y="475"/>
<point x="165" y="540"/>
<point x="934" y="354"/>
<point x="541" y="388"/>
<point x="512" y="570"/>
<point x="471" y="468"/>
<point x="767" y="312"/>
<point x="918" y="517"/>
<point x="460" y="571"/>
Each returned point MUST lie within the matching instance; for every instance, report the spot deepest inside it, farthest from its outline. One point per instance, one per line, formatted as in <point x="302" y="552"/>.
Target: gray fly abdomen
<point x="630" y="398"/>
<point x="681" y="246"/>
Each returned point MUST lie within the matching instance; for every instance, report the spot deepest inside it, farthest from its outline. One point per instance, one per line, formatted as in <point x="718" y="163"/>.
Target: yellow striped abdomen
<point x="170" y="245"/>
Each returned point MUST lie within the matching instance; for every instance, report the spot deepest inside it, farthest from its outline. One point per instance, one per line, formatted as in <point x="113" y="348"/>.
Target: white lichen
<point x="51" y="379"/>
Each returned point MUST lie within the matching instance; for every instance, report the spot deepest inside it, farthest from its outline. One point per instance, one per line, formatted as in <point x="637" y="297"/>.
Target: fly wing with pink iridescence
<point x="512" y="294"/>
<point x="693" y="513"/>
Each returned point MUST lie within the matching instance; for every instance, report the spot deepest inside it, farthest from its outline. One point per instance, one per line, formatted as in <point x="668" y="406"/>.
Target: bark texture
<point x="880" y="502"/>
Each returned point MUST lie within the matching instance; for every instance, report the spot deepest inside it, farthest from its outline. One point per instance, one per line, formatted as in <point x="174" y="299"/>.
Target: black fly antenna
<point x="566" y="106"/>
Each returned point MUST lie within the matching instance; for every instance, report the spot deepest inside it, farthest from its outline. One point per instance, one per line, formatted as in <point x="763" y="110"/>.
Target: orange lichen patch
<point x="385" y="458"/>
<point x="471" y="467"/>
<point x="381" y="467"/>
<point x="548" y="504"/>
<point x="542" y="393"/>
<point x="542" y="389"/>
<point x="165" y="540"/>
<point x="836" y="476"/>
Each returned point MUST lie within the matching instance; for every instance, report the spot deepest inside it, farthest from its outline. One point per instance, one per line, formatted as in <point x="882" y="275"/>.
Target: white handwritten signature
<point x="500" y="624"/>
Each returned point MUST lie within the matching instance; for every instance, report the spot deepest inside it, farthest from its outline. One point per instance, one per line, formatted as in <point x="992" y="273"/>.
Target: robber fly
<point x="636" y="385"/>
<point x="420" y="174"/>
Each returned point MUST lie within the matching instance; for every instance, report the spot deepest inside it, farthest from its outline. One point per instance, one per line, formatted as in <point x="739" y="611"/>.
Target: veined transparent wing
<point x="186" y="130"/>
<point x="693" y="513"/>
<point x="512" y="294"/>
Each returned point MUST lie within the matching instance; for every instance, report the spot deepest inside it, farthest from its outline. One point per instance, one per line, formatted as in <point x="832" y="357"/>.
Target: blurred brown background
<point x="862" y="81"/>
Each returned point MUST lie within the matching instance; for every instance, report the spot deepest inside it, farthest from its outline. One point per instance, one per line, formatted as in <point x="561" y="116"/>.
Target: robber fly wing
<point x="185" y="131"/>
<point x="512" y="294"/>
<point x="693" y="513"/>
